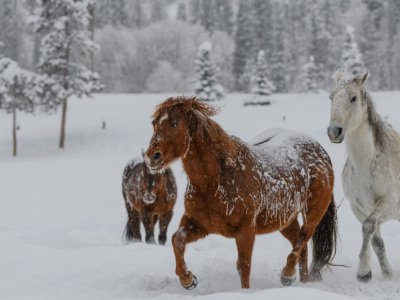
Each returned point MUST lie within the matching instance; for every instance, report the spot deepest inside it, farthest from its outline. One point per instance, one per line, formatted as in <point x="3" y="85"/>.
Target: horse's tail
<point x="324" y="240"/>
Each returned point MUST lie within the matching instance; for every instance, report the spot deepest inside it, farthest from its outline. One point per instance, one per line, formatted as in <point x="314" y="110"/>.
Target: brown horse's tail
<point x="324" y="241"/>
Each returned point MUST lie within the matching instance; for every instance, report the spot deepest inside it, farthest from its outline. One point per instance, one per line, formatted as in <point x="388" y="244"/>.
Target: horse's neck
<point x="360" y="147"/>
<point x="202" y="161"/>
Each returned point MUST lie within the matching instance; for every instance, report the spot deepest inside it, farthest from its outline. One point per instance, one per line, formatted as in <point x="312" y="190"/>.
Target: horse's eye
<point x="174" y="123"/>
<point x="353" y="99"/>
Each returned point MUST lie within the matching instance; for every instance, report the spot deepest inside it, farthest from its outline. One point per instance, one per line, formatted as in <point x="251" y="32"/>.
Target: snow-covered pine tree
<point x="111" y="12"/>
<point x="21" y="90"/>
<point x="310" y="76"/>
<point x="261" y="85"/>
<point x="374" y="43"/>
<point x="11" y="28"/>
<point x="66" y="39"/>
<point x="158" y="11"/>
<point x="244" y="41"/>
<point x="352" y="62"/>
<point x="277" y="55"/>
<point x="206" y="86"/>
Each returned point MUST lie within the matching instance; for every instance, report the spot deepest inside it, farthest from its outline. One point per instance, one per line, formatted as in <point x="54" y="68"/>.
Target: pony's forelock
<point x="187" y="104"/>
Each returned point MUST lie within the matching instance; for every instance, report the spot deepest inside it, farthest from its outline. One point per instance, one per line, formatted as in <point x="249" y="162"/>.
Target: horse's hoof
<point x="150" y="240"/>
<point x="315" y="276"/>
<point x="286" y="281"/>
<point x="192" y="285"/>
<point x="364" y="278"/>
<point x="162" y="240"/>
<point x="387" y="275"/>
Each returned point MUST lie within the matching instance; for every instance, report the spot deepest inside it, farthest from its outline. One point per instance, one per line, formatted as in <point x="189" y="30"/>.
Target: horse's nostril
<point x="157" y="156"/>
<point x="339" y="131"/>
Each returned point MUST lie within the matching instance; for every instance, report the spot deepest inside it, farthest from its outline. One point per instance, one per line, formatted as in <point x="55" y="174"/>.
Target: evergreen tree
<point x="65" y="27"/>
<point x="111" y="12"/>
<point x="225" y="16"/>
<point x="212" y="15"/>
<point x="181" y="13"/>
<point x="11" y="27"/>
<point x="139" y="18"/>
<point x="24" y="91"/>
<point x="351" y="56"/>
<point x="374" y="43"/>
<point x="206" y="86"/>
<point x="263" y="27"/>
<point x="310" y="76"/>
<point x="277" y="56"/>
<point x="158" y="10"/>
<point x="244" y="41"/>
<point x="261" y="84"/>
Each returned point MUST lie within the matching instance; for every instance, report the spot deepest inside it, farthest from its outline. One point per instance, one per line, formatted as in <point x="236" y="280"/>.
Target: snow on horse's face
<point x="348" y="109"/>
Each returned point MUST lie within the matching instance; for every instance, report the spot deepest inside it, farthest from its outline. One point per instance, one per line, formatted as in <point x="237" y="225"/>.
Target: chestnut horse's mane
<point x="187" y="104"/>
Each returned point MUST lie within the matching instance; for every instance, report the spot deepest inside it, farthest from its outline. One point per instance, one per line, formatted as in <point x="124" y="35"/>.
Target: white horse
<point x="371" y="175"/>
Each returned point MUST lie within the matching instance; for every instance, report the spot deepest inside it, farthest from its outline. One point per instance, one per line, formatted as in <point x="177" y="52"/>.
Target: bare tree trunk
<point x="63" y="121"/>
<point x="14" y="131"/>
<point x="91" y="29"/>
<point x="66" y="87"/>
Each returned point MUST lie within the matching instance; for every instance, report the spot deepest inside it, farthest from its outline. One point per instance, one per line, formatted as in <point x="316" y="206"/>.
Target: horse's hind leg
<point x="292" y="234"/>
<point x="289" y="271"/>
<point x="148" y="223"/>
<point x="164" y="222"/>
<point x="245" y="243"/>
<point x="379" y="248"/>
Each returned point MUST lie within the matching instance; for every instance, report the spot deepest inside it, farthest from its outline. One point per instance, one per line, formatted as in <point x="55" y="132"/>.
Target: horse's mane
<point x="380" y="129"/>
<point x="186" y="104"/>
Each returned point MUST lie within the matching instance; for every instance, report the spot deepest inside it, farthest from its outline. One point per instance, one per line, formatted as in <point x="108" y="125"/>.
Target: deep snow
<point x="62" y="212"/>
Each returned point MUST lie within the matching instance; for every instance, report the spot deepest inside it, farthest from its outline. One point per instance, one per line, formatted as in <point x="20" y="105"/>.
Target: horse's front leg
<point x="245" y="243"/>
<point x="189" y="231"/>
<point x="379" y="248"/>
<point x="148" y="223"/>
<point x="369" y="227"/>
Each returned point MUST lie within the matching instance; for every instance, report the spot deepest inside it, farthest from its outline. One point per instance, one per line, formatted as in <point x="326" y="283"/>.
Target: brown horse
<point x="239" y="190"/>
<point x="148" y="198"/>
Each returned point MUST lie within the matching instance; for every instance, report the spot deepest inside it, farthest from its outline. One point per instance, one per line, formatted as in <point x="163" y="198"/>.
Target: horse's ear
<point x="339" y="74"/>
<point x="364" y="78"/>
<point x="361" y="80"/>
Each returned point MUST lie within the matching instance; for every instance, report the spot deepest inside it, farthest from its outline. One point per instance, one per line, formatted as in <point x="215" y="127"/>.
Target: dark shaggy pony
<point x="148" y="198"/>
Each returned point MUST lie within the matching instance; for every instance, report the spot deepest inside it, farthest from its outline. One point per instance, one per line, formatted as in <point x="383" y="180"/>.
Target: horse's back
<point x="289" y="148"/>
<point x="295" y="168"/>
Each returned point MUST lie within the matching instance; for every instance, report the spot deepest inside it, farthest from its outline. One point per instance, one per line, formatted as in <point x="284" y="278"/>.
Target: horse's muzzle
<point x="336" y="134"/>
<point x="154" y="162"/>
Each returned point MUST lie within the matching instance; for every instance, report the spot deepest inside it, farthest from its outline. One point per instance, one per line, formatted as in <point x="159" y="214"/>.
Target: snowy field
<point x="62" y="213"/>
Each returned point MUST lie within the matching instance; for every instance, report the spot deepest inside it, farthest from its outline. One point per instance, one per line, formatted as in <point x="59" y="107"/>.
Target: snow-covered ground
<point x="62" y="213"/>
